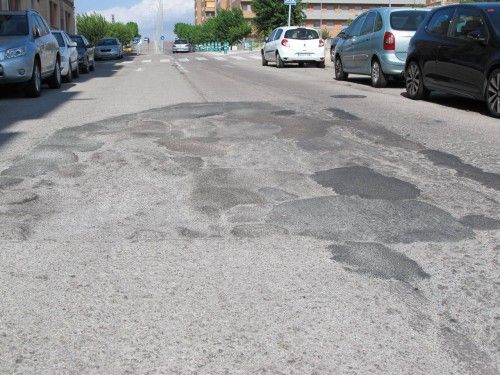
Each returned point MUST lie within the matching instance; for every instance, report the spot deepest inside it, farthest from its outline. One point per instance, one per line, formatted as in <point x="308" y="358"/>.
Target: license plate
<point x="304" y="54"/>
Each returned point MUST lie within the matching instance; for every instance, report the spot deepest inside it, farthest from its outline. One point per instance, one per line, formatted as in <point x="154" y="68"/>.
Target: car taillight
<point x="285" y="43"/>
<point x="389" y="41"/>
<point x="321" y="42"/>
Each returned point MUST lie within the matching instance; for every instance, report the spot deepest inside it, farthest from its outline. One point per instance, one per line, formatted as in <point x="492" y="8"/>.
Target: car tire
<point x="55" y="79"/>
<point x="320" y="64"/>
<point x="340" y="75"/>
<point x="332" y="54"/>
<point x="379" y="79"/>
<point x="264" y="61"/>
<point x="86" y="67"/>
<point x="301" y="64"/>
<point x="34" y="86"/>
<point x="414" y="83"/>
<point x="69" y="77"/>
<point x="492" y="95"/>
<point x="279" y="63"/>
<point x="76" y="72"/>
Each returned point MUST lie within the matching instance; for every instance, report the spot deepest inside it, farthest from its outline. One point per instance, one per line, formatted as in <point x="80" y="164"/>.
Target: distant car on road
<point x="108" y="48"/>
<point x="181" y="45"/>
<point x="376" y="44"/>
<point x="86" y="53"/>
<point x="69" y="56"/>
<point x="334" y="42"/>
<point x="29" y="53"/>
<point x="294" y="45"/>
<point x="457" y="51"/>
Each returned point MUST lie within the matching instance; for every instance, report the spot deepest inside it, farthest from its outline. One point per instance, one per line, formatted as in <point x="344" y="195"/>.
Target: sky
<point x="141" y="11"/>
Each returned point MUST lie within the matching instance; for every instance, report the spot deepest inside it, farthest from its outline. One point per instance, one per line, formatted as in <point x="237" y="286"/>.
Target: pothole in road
<point x="488" y="179"/>
<point x="377" y="260"/>
<point x="340" y="218"/>
<point x="343" y="115"/>
<point x="284" y="112"/>
<point x="365" y="183"/>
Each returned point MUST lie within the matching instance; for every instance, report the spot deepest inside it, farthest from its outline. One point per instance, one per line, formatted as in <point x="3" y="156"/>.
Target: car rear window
<point x="301" y="34"/>
<point x="60" y="39"/>
<point x="494" y="16"/>
<point x="180" y="41"/>
<point x="13" y="25"/>
<point x="78" y="40"/>
<point x="407" y="20"/>
<point x="107" y="42"/>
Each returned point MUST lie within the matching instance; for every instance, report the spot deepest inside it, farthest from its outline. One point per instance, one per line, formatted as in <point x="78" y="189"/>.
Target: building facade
<point x="60" y="14"/>
<point x="332" y="15"/>
<point x="435" y="3"/>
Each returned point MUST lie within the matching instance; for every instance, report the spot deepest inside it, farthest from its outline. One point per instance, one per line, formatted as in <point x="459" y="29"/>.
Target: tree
<point x="121" y="31"/>
<point x="270" y="14"/>
<point x="134" y="28"/>
<point x="93" y="26"/>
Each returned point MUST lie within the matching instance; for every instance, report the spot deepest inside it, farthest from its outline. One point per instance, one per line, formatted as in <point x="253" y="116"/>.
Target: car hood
<point x="7" y="42"/>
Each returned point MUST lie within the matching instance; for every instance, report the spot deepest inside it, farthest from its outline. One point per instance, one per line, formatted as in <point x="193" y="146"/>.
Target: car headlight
<point x="15" y="52"/>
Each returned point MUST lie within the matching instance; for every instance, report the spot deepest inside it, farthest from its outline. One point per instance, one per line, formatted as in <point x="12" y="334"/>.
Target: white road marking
<point x="127" y="62"/>
<point x="139" y="70"/>
<point x="146" y="61"/>
<point x="219" y="58"/>
<point x="255" y="57"/>
<point x="237" y="57"/>
<point x="165" y="60"/>
<point x="201" y="59"/>
<point x="184" y="60"/>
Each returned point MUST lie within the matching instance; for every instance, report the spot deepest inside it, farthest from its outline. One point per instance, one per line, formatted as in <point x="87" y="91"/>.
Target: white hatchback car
<point x="294" y="44"/>
<point x="69" y="56"/>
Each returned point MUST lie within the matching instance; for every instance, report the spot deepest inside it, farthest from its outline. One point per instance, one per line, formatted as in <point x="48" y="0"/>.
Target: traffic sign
<point x="162" y="37"/>
<point x="290" y="2"/>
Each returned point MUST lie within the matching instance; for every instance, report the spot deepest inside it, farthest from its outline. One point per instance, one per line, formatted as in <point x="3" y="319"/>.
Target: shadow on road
<point x="15" y="106"/>
<point x="456" y="102"/>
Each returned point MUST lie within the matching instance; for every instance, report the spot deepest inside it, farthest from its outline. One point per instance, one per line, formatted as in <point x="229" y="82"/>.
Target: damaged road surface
<point x="247" y="237"/>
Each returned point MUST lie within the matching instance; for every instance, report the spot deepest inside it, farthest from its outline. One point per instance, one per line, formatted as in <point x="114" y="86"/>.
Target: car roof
<point x="296" y="27"/>
<point x="397" y="9"/>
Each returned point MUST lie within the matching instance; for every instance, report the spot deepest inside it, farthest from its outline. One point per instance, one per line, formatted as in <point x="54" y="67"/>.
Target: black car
<point x="456" y="50"/>
<point x="86" y="50"/>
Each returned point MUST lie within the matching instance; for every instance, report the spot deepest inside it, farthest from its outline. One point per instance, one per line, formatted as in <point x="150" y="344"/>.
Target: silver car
<point x="181" y="45"/>
<point x="69" y="56"/>
<point x="376" y="44"/>
<point x="29" y="53"/>
<point x="108" y="48"/>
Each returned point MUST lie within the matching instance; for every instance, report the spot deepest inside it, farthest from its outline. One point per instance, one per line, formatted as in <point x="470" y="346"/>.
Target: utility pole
<point x="159" y="26"/>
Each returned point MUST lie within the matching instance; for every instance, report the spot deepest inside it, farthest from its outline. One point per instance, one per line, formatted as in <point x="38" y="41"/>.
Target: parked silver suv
<point x="29" y="53"/>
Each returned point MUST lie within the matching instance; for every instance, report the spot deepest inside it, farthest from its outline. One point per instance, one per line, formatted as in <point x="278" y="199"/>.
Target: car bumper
<point x="303" y="56"/>
<point x="181" y="49"/>
<point x="16" y="70"/>
<point x="107" y="55"/>
<point x="392" y="65"/>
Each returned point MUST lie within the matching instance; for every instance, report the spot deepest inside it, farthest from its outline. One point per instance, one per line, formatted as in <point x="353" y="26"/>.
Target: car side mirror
<point x="72" y="44"/>
<point x="36" y="32"/>
<point x="266" y="40"/>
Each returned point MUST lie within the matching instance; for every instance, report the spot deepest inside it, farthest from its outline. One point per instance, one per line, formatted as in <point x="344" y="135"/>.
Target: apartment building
<point x="333" y="15"/>
<point x="435" y="3"/>
<point x="204" y="9"/>
<point x="59" y="14"/>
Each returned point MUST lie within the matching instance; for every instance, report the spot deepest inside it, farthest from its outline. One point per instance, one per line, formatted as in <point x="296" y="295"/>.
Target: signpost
<point x="290" y="3"/>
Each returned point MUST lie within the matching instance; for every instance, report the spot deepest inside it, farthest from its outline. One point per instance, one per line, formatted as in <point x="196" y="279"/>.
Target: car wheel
<point x="493" y="93"/>
<point x="340" y="75"/>
<point x="86" y="67"/>
<point x="76" y="72"/>
<point x="55" y="80"/>
<point x="320" y="64"/>
<point x="69" y="76"/>
<point x="332" y="54"/>
<point x="378" y="77"/>
<point x="34" y="87"/>
<point x="414" y="83"/>
<point x="264" y="61"/>
<point x="279" y="63"/>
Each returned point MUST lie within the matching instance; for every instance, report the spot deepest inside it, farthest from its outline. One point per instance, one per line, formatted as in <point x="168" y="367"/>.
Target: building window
<point x="14" y="4"/>
<point x="330" y="6"/>
<point x="344" y="7"/>
<point x="330" y="23"/>
<point x="316" y="6"/>
<point x="247" y="7"/>
<point x="316" y="23"/>
<point x="53" y="14"/>
<point x="358" y="7"/>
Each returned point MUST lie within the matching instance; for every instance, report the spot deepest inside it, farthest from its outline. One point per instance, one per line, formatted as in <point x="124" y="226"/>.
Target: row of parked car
<point x="453" y="49"/>
<point x="31" y="53"/>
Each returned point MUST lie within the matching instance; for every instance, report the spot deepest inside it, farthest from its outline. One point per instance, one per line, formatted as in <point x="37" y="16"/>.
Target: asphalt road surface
<point x="204" y="214"/>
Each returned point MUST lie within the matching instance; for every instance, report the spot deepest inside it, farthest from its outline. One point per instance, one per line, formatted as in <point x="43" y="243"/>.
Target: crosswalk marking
<point x="238" y="57"/>
<point x="139" y="70"/>
<point x="255" y="57"/>
<point x="165" y="60"/>
<point x="184" y="60"/>
<point x="127" y="62"/>
<point x="201" y="59"/>
<point x="219" y="58"/>
<point x="146" y="61"/>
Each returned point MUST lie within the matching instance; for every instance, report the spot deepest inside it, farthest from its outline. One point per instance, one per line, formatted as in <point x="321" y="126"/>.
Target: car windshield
<point x="181" y="41"/>
<point x="60" y="39"/>
<point x="13" y="25"/>
<point x="494" y="16"/>
<point x="107" y="42"/>
<point x="301" y="34"/>
<point x="79" y="41"/>
<point x="407" y="20"/>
